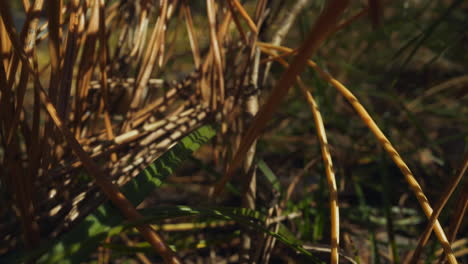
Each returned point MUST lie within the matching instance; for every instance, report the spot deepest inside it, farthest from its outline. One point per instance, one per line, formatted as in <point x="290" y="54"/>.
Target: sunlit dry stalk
<point x="237" y="22"/>
<point x="217" y="54"/>
<point x="412" y="182"/>
<point x="149" y="60"/>
<point x="88" y="62"/>
<point x="177" y="122"/>
<point x="458" y="216"/>
<point x="70" y="54"/>
<point x="260" y="11"/>
<point x="437" y="210"/>
<point x="102" y="66"/>
<point x="20" y="177"/>
<point x="334" y="209"/>
<point x="328" y="164"/>
<point x="245" y="15"/>
<point x="28" y="36"/>
<point x="140" y="31"/>
<point x="161" y="103"/>
<point x="172" y="45"/>
<point x="110" y="189"/>
<point x="54" y="44"/>
<point x="250" y="174"/>
<point x="192" y="34"/>
<point x="34" y="151"/>
<point x="319" y="32"/>
<point x="209" y="83"/>
<point x="5" y="49"/>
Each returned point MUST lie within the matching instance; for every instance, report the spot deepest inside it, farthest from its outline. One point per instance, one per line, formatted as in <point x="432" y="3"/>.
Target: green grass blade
<point x="246" y="217"/>
<point x="270" y="175"/>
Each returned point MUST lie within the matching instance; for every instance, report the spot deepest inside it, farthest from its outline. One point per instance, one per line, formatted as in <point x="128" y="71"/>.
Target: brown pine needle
<point x="331" y="180"/>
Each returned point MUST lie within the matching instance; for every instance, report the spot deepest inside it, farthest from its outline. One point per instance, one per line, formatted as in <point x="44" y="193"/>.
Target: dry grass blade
<point x="92" y="92"/>
<point x="70" y="54"/>
<point x="54" y="18"/>
<point x="457" y="218"/>
<point x="86" y="67"/>
<point x="412" y="182"/>
<point x="153" y="54"/>
<point x="216" y="51"/>
<point x="32" y="20"/>
<point x="334" y="209"/>
<point x="102" y="65"/>
<point x="245" y="16"/>
<point x="383" y="140"/>
<point x="237" y="22"/>
<point x="5" y="47"/>
<point x="325" y="23"/>
<point x="111" y="190"/>
<point x="328" y="163"/>
<point x="191" y="34"/>
<point x="437" y="210"/>
<point x="172" y="45"/>
<point x="21" y="180"/>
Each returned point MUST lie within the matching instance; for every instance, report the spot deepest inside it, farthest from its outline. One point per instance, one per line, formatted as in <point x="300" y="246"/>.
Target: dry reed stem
<point x="111" y="190"/>
<point x="153" y="53"/>
<point x="14" y="174"/>
<point x="245" y="16"/>
<point x="191" y="34"/>
<point x="334" y="208"/>
<point x="437" y="210"/>
<point x="383" y="140"/>
<point x="237" y="22"/>
<point x="102" y="66"/>
<point x="65" y="75"/>
<point x="215" y="47"/>
<point x="320" y="31"/>
<point x="172" y="45"/>
<point x="328" y="164"/>
<point x="457" y="217"/>
<point x="86" y="67"/>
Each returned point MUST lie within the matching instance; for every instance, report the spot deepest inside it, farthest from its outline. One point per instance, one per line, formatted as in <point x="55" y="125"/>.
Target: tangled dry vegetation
<point x="102" y="101"/>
